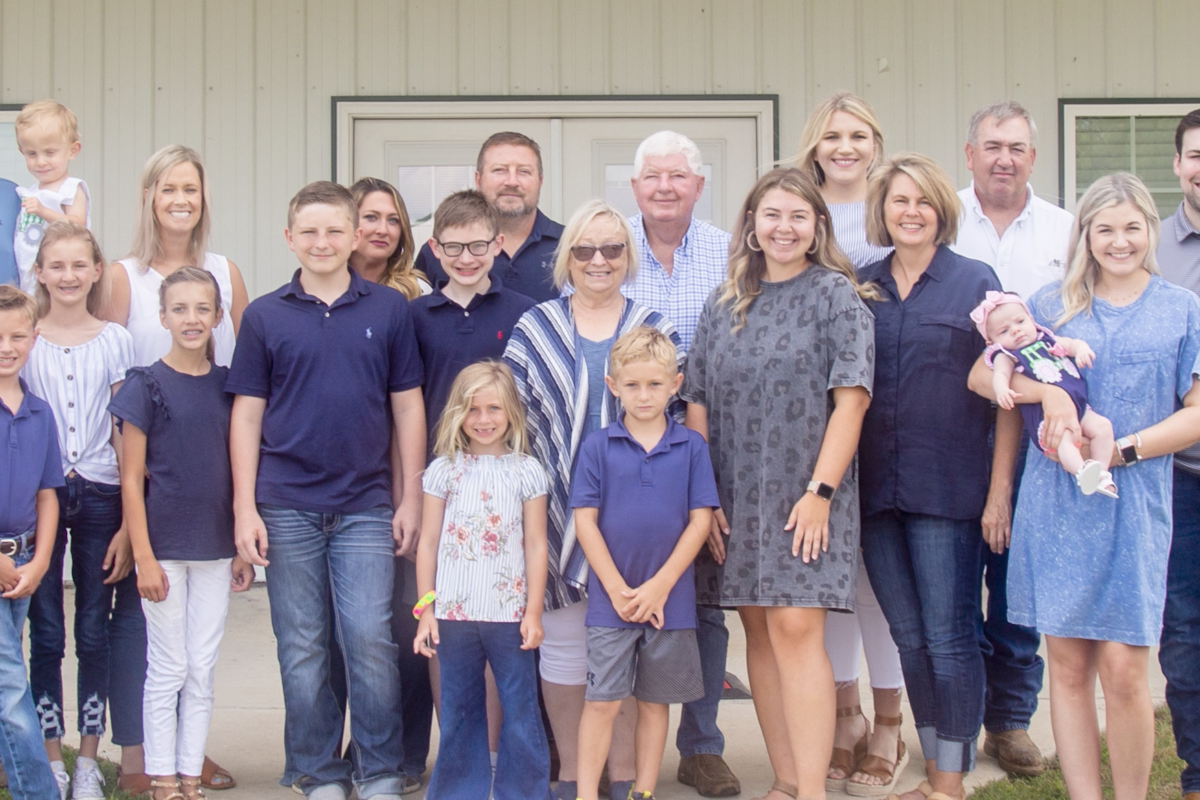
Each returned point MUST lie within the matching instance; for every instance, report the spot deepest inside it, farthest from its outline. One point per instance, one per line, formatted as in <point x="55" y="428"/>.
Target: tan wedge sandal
<point x="848" y="761"/>
<point x="196" y="787"/>
<point x="173" y="785"/>
<point x="879" y="767"/>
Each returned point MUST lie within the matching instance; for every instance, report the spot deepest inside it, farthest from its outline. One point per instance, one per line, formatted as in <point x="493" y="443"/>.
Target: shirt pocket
<point x="1134" y="377"/>
<point x="950" y="341"/>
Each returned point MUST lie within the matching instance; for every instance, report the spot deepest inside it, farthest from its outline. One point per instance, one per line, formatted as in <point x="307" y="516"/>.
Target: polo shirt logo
<point x="499" y="334"/>
<point x="368" y="333"/>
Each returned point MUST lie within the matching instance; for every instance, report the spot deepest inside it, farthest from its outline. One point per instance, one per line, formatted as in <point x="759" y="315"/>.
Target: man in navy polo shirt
<point x="509" y="174"/>
<point x="323" y="367"/>
<point x="470" y="316"/>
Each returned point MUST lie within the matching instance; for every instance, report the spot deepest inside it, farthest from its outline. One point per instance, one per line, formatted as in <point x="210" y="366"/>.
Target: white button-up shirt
<point x="1031" y="253"/>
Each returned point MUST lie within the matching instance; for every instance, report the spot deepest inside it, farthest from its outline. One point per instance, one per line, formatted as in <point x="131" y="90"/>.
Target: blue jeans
<point x="416" y="693"/>
<point x="21" y="750"/>
<point x="463" y="769"/>
<point x="1179" y="650"/>
<point x="107" y="675"/>
<point x="698" y="732"/>
<point x="347" y="557"/>
<point x="924" y="571"/>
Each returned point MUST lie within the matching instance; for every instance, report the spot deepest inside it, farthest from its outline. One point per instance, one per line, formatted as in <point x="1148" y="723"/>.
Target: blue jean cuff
<point x="388" y="783"/>
<point x="1007" y="726"/>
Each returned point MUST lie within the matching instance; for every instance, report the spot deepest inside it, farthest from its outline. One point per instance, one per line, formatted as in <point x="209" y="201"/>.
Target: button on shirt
<point x="924" y="446"/>
<point x="326" y="372"/>
<point x="643" y="501"/>
<point x="698" y="267"/>
<point x="1031" y="253"/>
<point x="1179" y="259"/>
<point x="530" y="271"/>
<point x="29" y="463"/>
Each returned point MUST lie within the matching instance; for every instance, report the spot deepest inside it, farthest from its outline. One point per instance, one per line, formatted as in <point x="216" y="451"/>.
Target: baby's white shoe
<point x="1106" y="486"/>
<point x="1088" y="476"/>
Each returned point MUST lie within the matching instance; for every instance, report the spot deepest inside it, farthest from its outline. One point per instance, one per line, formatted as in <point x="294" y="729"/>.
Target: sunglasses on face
<point x="585" y="252"/>
<point x="474" y="248"/>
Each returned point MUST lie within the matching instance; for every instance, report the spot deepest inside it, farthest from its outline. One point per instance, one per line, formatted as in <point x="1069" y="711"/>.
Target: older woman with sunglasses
<point x="559" y="356"/>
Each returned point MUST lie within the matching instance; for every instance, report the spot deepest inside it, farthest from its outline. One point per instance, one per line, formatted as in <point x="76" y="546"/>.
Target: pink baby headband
<point x="991" y="301"/>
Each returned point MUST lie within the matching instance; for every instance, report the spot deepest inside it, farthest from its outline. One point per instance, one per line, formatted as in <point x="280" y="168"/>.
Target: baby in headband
<point x="1017" y="344"/>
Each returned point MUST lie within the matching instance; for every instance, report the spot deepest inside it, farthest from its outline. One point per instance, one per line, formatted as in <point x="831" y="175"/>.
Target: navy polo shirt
<point x="643" y="501"/>
<point x="924" y="446"/>
<point x="326" y="372"/>
<point x="451" y="337"/>
<point x="530" y="272"/>
<point x="31" y="461"/>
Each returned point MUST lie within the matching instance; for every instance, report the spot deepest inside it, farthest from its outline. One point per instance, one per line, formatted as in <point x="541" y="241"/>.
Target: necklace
<point x="1121" y="299"/>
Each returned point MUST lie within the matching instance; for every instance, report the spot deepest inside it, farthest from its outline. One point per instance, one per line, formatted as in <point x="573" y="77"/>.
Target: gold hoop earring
<point x="751" y="241"/>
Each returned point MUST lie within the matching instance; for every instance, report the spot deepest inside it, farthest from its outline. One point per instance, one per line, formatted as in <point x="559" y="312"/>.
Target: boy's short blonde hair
<point x="643" y="343"/>
<point x="48" y="111"/>
<point x="325" y="193"/>
<point x="13" y="299"/>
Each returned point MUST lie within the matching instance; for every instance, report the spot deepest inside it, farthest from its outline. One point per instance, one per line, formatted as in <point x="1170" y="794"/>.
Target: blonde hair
<point x="579" y="222"/>
<point x="748" y="265"/>
<point x="818" y="122"/>
<point x="1079" y="283"/>
<point x="643" y="343"/>
<point x="935" y="186"/>
<point x="48" y="111"/>
<point x="398" y="273"/>
<point x="64" y="230"/>
<point x="147" y="242"/>
<point x="449" y="439"/>
<point x="13" y="299"/>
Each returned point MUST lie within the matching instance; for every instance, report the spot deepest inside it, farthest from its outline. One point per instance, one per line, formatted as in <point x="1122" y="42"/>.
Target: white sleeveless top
<point x="29" y="226"/>
<point x="151" y="341"/>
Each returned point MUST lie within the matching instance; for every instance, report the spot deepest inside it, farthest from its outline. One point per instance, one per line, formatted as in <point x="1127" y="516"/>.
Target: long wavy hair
<point x="147" y="240"/>
<point x="449" y="438"/>
<point x="747" y="266"/>
<point x="399" y="273"/>
<point x="805" y="159"/>
<point x="1079" y="284"/>
<point x="64" y="230"/>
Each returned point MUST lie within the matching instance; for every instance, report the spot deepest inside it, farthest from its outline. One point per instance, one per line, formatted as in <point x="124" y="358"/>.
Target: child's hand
<point x="1007" y="399"/>
<point x="31" y="205"/>
<point x="406" y="527"/>
<point x="426" y="641"/>
<point x="9" y="576"/>
<point x="1084" y="355"/>
<point x="645" y="603"/>
<point x="717" y="531"/>
<point x="810" y="520"/>
<point x="619" y="599"/>
<point x="531" y="631"/>
<point x="243" y="575"/>
<point x="250" y="536"/>
<point x="119" y="557"/>
<point x="30" y="575"/>
<point x="152" y="581"/>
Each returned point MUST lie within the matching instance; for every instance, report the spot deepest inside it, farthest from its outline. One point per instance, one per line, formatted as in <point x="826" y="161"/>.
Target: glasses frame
<point x="455" y="249"/>
<point x="615" y="250"/>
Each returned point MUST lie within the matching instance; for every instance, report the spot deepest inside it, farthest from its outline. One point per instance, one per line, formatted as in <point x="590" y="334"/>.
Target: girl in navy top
<point x="178" y="495"/>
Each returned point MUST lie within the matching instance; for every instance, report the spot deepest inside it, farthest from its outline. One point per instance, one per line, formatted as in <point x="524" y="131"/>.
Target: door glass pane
<point x="423" y="188"/>
<point x="1142" y="145"/>
<point x="619" y="192"/>
<point x="12" y="163"/>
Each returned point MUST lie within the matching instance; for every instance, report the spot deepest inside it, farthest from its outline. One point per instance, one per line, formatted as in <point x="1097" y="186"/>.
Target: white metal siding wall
<point x="248" y="82"/>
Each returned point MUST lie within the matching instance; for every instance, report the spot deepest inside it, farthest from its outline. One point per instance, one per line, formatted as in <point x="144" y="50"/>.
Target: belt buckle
<point x="9" y="547"/>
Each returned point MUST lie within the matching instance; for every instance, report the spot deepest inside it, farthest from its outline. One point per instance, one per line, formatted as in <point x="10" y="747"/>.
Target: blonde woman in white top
<point x="172" y="232"/>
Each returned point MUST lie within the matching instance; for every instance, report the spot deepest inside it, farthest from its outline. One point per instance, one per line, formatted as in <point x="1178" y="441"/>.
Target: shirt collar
<point x="977" y="208"/>
<point x="26" y="408"/>
<point x="438" y="297"/>
<point x="639" y="232"/>
<point x="674" y="434"/>
<point x="1183" y="225"/>
<point x="358" y="287"/>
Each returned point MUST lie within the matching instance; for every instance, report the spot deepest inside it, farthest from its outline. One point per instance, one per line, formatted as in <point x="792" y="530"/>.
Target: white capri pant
<point x="843" y="640"/>
<point x="562" y="658"/>
<point x="183" y="634"/>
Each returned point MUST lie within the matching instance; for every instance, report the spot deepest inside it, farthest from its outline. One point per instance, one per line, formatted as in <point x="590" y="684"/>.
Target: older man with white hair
<point x="681" y="260"/>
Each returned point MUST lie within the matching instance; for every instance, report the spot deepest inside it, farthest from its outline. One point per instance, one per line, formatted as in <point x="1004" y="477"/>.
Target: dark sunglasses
<point x="474" y="248"/>
<point x="585" y="252"/>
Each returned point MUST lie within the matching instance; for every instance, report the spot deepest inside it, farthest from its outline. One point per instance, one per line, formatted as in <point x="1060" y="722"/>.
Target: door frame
<point x="346" y="110"/>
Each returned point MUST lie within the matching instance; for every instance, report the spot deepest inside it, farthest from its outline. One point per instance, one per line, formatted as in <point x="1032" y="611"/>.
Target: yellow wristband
<point x="423" y="603"/>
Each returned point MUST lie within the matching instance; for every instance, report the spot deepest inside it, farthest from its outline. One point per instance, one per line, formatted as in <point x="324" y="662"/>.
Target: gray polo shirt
<point x="1179" y="260"/>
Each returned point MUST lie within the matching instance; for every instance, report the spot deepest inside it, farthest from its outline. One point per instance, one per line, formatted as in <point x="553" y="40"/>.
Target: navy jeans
<point x="1179" y="649"/>
<point x="110" y="637"/>
<point x="698" y="732"/>
<point x="463" y="768"/>
<point x="924" y="572"/>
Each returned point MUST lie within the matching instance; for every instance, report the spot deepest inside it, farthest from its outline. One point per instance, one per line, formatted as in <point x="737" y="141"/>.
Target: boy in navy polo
<point x="31" y="471"/>
<point x="323" y="368"/>
<point x="643" y="494"/>
<point x="470" y="316"/>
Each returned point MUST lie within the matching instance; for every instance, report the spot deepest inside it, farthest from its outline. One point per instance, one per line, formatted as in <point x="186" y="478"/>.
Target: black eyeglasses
<point x="585" y="252"/>
<point x="474" y="248"/>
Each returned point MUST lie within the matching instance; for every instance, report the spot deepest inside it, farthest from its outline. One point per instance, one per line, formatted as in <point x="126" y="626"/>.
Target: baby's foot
<point x="1088" y="476"/>
<point x="1106" y="486"/>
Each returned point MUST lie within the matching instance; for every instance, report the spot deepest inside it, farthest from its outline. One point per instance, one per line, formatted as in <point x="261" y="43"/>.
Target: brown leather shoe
<point x="1192" y="796"/>
<point x="1017" y="753"/>
<point x="709" y="775"/>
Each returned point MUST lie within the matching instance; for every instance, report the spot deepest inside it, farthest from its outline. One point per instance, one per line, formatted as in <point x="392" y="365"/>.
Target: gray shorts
<point x="652" y="665"/>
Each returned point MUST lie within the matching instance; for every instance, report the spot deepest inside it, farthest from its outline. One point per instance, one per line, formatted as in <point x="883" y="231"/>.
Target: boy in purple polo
<point x="30" y="471"/>
<point x="325" y="368"/>
<point x="643" y="494"/>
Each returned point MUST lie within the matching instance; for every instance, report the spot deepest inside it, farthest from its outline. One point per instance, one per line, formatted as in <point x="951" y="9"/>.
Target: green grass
<point x="1164" y="774"/>
<point x="107" y="767"/>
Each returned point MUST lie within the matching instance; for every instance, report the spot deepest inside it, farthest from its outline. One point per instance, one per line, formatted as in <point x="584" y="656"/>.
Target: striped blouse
<point x="850" y="231"/>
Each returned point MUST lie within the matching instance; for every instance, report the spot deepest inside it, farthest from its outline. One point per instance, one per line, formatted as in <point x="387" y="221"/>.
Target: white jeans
<point x="183" y="634"/>
<point x="843" y="638"/>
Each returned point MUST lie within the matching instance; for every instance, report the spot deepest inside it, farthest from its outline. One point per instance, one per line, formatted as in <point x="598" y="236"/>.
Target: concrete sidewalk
<point x="247" y="727"/>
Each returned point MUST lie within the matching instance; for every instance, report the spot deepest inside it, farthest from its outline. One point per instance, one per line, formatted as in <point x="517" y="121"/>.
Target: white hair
<point x="1001" y="112"/>
<point x="667" y="143"/>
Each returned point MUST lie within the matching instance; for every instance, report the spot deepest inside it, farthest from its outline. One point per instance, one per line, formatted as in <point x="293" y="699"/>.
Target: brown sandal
<point x="926" y="788"/>
<point x="879" y="767"/>
<point x="847" y="761"/>
<point x="783" y="788"/>
<point x="172" y="784"/>
<point x="214" y="776"/>
<point x="135" y="784"/>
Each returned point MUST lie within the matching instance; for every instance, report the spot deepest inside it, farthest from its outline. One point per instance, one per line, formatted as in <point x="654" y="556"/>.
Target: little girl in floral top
<point x="1023" y="346"/>
<point x="481" y="572"/>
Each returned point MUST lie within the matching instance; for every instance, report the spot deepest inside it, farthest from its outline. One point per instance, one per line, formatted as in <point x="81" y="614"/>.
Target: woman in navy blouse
<point x="924" y="459"/>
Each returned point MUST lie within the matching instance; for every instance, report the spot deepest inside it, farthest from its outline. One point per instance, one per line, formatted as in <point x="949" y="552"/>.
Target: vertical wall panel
<point x="533" y="49"/>
<point x="482" y="47"/>
<point x="79" y="85"/>
<point x="1029" y="41"/>
<point x="330" y="45"/>
<point x="1174" y="50"/>
<point x="280" y="157"/>
<point x="229" y="133"/>
<point x="636" y="31"/>
<point x="834" y="39"/>
<point x="686" y="37"/>
<point x="736" y="64"/>
<point x="1080" y="35"/>
<point x="885" y="70"/>
<point x="785" y="51"/>
<point x="934" y="101"/>
<point x="380" y="47"/>
<point x="982" y="51"/>
<point x="432" y="41"/>
<point x="179" y="73"/>
<point x="27" y="51"/>
<point x="584" y="47"/>
<point x="1129" y="43"/>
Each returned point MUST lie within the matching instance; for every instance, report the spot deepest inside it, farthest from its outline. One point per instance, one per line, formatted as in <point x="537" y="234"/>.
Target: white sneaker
<point x="64" y="783"/>
<point x="88" y="783"/>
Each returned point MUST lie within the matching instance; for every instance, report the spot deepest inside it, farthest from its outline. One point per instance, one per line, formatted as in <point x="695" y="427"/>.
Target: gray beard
<point x="514" y="213"/>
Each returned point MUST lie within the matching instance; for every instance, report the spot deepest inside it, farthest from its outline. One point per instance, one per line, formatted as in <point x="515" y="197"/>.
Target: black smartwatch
<point x="821" y="490"/>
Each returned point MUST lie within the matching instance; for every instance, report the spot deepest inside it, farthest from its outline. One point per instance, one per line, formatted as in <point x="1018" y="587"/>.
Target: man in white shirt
<point x="1025" y="240"/>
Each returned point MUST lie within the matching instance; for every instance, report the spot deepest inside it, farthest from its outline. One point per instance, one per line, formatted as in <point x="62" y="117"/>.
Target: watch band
<point x="821" y="490"/>
<point x="1127" y="449"/>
